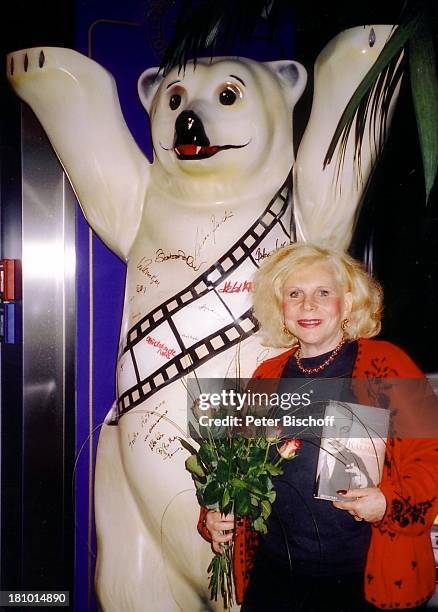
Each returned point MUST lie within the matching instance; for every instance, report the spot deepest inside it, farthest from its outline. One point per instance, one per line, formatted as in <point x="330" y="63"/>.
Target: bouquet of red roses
<point x="233" y="474"/>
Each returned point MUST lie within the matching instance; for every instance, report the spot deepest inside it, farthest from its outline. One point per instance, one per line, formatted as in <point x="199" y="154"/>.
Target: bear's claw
<point x="32" y="58"/>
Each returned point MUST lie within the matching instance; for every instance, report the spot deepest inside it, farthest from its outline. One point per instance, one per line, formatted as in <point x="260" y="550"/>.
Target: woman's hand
<point x="367" y="504"/>
<point x="216" y="524"/>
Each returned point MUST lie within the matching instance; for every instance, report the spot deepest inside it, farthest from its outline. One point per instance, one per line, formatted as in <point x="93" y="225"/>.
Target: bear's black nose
<point x="190" y="130"/>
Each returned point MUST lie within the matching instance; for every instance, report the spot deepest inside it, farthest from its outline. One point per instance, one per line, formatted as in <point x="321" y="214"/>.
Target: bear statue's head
<point x="224" y="119"/>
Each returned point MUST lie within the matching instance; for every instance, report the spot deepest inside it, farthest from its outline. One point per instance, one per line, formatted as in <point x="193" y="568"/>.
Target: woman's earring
<point x="344" y="324"/>
<point x="286" y="330"/>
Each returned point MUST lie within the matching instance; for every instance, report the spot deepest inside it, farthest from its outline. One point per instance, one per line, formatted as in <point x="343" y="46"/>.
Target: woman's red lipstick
<point x="309" y="322"/>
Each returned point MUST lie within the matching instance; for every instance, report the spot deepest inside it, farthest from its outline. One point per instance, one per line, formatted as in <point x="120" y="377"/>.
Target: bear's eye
<point x="175" y="101"/>
<point x="229" y="94"/>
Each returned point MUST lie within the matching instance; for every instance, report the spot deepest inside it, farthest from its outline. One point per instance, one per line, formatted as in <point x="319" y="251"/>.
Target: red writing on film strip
<point x="236" y="287"/>
<point x="162" y="349"/>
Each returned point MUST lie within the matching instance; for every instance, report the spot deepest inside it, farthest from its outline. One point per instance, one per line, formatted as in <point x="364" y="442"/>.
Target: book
<point x="352" y="448"/>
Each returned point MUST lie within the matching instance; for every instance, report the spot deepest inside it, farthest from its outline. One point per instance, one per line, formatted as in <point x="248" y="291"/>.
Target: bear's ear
<point x="147" y="86"/>
<point x="292" y="75"/>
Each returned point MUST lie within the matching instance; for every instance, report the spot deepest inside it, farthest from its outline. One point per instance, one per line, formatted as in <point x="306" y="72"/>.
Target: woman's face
<point x="314" y="306"/>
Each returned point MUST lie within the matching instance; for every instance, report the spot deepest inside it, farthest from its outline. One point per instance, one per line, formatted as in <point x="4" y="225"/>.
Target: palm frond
<point x="423" y="72"/>
<point x="374" y="105"/>
<point x="200" y="28"/>
<point x="372" y="92"/>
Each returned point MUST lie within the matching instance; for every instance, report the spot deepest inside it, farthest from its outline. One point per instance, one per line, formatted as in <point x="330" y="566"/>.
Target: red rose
<point x="289" y="448"/>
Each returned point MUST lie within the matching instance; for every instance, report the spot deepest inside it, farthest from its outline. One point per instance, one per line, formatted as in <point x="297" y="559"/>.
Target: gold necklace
<point x="323" y="365"/>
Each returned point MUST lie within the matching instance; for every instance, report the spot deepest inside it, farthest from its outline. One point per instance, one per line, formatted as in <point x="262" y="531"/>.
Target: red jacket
<point x="400" y="568"/>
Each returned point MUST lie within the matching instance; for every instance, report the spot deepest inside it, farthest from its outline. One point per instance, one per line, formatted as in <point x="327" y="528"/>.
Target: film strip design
<point x="182" y="365"/>
<point x="169" y="316"/>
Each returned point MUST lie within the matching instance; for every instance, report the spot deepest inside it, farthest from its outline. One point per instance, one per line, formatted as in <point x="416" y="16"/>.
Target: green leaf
<point x="225" y="450"/>
<point x="238" y="484"/>
<point x="424" y="85"/>
<point x="194" y="467"/>
<point x="207" y="454"/>
<point x="271" y="495"/>
<point x="192" y="450"/>
<point x="243" y="465"/>
<point x="222" y="471"/>
<point x="242" y="503"/>
<point x="255" y="513"/>
<point x="212" y="493"/>
<point x="242" y="485"/>
<point x="266" y="509"/>
<point x="263" y="482"/>
<point x="256" y="455"/>
<point x="260" y="525"/>
<point x="274" y="470"/>
<point x="226" y="499"/>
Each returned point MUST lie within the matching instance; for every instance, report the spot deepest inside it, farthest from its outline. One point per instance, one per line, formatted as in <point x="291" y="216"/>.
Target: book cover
<point x="352" y="448"/>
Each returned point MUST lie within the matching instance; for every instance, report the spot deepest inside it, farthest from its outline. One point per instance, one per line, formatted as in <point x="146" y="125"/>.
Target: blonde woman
<point x="371" y="550"/>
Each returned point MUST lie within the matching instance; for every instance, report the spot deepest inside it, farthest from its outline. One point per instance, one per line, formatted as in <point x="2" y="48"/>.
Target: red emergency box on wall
<point x="10" y="280"/>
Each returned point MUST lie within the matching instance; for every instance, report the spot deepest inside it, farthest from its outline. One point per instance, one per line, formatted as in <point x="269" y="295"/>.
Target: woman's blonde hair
<point x="366" y="310"/>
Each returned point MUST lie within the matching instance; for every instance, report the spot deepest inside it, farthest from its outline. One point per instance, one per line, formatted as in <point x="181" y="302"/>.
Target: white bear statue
<point x="193" y="227"/>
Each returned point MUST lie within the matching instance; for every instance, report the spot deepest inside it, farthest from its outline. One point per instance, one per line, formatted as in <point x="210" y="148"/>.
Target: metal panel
<point x="48" y="230"/>
<point x="11" y="370"/>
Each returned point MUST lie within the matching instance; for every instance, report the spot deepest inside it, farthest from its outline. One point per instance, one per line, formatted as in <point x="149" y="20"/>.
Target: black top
<point x="322" y="540"/>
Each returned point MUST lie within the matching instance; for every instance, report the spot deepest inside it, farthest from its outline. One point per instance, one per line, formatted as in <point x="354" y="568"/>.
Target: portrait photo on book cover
<point x="352" y="448"/>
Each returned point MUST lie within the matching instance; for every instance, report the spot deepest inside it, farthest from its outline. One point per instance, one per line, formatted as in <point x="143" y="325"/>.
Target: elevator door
<point x="38" y="369"/>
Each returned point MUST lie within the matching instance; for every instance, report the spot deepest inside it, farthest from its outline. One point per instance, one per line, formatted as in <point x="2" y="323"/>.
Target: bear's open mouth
<point x="193" y="151"/>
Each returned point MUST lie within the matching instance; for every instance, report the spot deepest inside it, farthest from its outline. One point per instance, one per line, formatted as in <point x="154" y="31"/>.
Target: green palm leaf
<point x="378" y="87"/>
<point x="425" y="96"/>
<point x="382" y="74"/>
